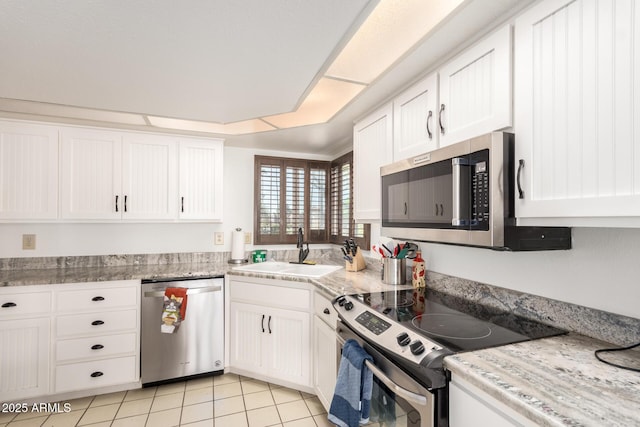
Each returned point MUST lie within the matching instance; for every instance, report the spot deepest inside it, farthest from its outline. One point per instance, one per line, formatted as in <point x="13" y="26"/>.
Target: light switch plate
<point x="219" y="238"/>
<point x="247" y="238"/>
<point x="28" y="241"/>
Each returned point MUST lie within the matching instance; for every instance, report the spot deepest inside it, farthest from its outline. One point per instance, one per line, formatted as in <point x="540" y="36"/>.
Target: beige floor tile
<point x="198" y="412"/>
<point x="167" y="401"/>
<point x="30" y="422"/>
<point x="167" y="418"/>
<point x="136" y="421"/>
<point x="107" y="399"/>
<point x="315" y="406"/>
<point x="140" y="393"/>
<point x="203" y="423"/>
<point x="284" y="395"/>
<point x="134" y="407"/>
<point x="199" y="383"/>
<point x="227" y="390"/>
<point x="304" y="422"/>
<point x="225" y="379"/>
<point x="67" y="419"/>
<point x="170" y="388"/>
<point x="230" y="405"/>
<point x="5" y="417"/>
<point x="254" y="386"/>
<point x="307" y="395"/>
<point x="28" y="414"/>
<point x="258" y="400"/>
<point x="293" y="410"/>
<point x="99" y="414"/>
<point x="81" y="403"/>
<point x="322" y="421"/>
<point x="233" y="420"/>
<point x="199" y="395"/>
<point x="263" y="417"/>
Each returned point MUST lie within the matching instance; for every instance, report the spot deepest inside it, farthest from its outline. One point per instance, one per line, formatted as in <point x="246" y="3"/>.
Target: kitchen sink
<point x="288" y="269"/>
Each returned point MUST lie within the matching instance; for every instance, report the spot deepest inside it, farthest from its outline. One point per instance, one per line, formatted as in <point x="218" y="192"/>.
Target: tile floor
<point x="221" y="401"/>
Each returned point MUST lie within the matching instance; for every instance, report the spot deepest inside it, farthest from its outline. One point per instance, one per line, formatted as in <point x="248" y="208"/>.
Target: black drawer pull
<point x="98" y="298"/>
<point x="96" y="374"/>
<point x="9" y="304"/>
<point x="97" y="323"/>
<point x="97" y="347"/>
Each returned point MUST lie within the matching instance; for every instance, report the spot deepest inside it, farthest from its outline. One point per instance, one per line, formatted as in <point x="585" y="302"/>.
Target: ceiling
<point x="255" y="72"/>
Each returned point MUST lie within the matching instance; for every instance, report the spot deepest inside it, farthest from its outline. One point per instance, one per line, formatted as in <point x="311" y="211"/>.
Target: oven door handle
<point x="407" y="395"/>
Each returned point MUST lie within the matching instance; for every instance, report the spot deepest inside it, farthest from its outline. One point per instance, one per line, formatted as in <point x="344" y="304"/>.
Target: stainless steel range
<point x="408" y="333"/>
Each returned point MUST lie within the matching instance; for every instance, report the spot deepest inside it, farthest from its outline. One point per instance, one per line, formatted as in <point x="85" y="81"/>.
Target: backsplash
<point x="606" y="326"/>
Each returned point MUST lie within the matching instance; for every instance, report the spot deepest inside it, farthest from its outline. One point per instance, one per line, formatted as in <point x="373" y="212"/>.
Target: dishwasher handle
<point x="190" y="291"/>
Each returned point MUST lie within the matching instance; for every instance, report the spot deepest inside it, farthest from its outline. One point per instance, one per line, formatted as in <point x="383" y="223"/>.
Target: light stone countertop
<point x="553" y="381"/>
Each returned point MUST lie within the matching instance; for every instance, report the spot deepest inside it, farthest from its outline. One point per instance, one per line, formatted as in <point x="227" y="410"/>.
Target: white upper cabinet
<point x="110" y="175"/>
<point x="372" y="148"/>
<point x="415" y="117"/>
<point x="577" y="120"/>
<point x="28" y="172"/>
<point x="201" y="180"/>
<point x="475" y="90"/>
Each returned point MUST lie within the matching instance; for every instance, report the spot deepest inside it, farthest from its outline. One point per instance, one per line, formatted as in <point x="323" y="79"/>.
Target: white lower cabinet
<point x="270" y="331"/>
<point x="325" y="365"/>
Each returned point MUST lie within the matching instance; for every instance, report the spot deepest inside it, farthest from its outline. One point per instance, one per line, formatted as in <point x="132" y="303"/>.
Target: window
<point x="290" y="194"/>
<point x="307" y="194"/>
<point x="342" y="224"/>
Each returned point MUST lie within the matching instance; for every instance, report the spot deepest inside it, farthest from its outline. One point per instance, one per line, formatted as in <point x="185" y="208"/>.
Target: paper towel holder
<point x="234" y="241"/>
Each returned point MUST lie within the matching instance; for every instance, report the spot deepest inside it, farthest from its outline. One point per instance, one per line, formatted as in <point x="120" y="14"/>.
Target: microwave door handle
<point x="460" y="188"/>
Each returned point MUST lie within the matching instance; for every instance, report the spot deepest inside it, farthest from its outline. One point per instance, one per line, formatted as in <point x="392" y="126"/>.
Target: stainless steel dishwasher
<point x="197" y="347"/>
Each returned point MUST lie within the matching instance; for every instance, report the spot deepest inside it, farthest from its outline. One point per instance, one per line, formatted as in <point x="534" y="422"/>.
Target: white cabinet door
<point x="577" y="113"/>
<point x="247" y="322"/>
<point x="372" y="148"/>
<point x="91" y="174"/>
<point x="326" y="363"/>
<point x="289" y="347"/>
<point x="28" y="171"/>
<point x="201" y="180"/>
<point x="475" y="90"/>
<point x="415" y="114"/>
<point x="149" y="177"/>
<point x="24" y="353"/>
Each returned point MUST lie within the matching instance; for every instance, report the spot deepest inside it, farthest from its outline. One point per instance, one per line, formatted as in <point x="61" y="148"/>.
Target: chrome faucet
<point x="303" y="253"/>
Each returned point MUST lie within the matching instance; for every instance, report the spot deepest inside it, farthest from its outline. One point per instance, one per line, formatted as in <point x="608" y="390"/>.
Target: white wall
<point x="60" y="239"/>
<point x="601" y="271"/>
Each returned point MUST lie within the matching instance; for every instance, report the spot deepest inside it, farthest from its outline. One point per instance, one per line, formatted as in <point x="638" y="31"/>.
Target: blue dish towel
<point x="352" y="397"/>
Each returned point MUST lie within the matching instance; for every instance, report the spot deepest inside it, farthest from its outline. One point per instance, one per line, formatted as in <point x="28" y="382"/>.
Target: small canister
<point x="259" y="255"/>
<point x="418" y="271"/>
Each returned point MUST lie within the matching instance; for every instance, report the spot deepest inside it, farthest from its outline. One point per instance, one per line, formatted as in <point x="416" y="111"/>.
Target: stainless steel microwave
<point x="462" y="194"/>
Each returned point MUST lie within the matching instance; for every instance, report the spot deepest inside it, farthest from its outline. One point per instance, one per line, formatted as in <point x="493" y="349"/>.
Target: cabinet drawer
<point x="274" y="296"/>
<point x="100" y="346"/>
<point x="99" y="373"/>
<point x="96" y="323"/>
<point x="97" y="299"/>
<point x="323" y="308"/>
<point x="24" y="303"/>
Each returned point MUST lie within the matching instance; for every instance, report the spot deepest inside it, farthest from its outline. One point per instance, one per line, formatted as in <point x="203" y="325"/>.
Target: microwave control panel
<point x="480" y="186"/>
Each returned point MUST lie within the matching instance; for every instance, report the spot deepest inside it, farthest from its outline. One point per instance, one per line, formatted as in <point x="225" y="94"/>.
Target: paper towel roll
<point x="237" y="245"/>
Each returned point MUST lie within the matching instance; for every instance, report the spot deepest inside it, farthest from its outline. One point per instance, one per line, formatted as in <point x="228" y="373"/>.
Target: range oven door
<point x="397" y="400"/>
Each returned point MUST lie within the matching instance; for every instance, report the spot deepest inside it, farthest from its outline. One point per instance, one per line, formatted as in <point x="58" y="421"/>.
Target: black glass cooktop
<point x="455" y="323"/>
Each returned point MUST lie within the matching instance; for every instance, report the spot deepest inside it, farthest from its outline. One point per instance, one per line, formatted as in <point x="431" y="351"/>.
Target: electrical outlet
<point x="219" y="238"/>
<point x="247" y="238"/>
<point x="29" y="241"/>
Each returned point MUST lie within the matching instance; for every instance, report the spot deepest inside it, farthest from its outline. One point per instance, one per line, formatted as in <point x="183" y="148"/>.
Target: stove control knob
<point x="403" y="339"/>
<point x="348" y="305"/>
<point x="341" y="301"/>
<point x="416" y="347"/>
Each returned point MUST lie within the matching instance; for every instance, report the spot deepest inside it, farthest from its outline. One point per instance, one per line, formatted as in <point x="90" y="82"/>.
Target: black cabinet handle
<point x="326" y="311"/>
<point x="96" y="374"/>
<point x="440" y="119"/>
<point x="98" y="298"/>
<point x="520" y="167"/>
<point x="97" y="323"/>
<point x="429" y="116"/>
<point x="269" y="324"/>
<point x="263" y="323"/>
<point x="405" y="208"/>
<point x="97" y="347"/>
<point x="125" y="203"/>
<point x="9" y="304"/>
<point x="181" y="204"/>
<point x="441" y="210"/>
<point x="116" y="203"/>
